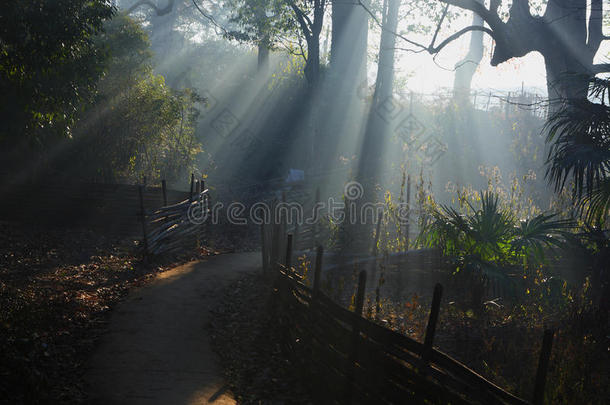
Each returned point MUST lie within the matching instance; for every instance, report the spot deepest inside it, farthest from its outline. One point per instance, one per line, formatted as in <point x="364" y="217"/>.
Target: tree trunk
<point x="567" y="58"/>
<point x="349" y="42"/>
<point x="377" y="125"/>
<point x="312" y="65"/>
<point x="384" y="82"/>
<point x="263" y="57"/>
<point x="373" y="147"/>
<point x="342" y="115"/>
<point x="466" y="68"/>
<point x="565" y="79"/>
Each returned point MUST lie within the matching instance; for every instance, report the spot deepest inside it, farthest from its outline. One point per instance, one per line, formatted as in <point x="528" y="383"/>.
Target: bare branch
<point x="440" y="23"/>
<point x="601" y="68"/>
<point x="303" y="20"/>
<point x="489" y="16"/>
<point x="458" y="34"/>
<point x="430" y="48"/>
<point x="211" y="19"/>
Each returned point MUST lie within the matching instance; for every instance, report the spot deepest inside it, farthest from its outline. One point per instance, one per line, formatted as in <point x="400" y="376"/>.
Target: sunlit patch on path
<point x="157" y="350"/>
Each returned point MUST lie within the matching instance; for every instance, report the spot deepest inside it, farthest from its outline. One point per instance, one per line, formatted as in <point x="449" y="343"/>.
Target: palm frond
<point x="491" y="224"/>
<point x="595" y="206"/>
<point x="579" y="135"/>
<point x="535" y="234"/>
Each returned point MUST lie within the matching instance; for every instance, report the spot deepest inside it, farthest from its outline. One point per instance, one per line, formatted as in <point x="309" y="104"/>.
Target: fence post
<point x="543" y="366"/>
<point x="164" y="190"/>
<point x="431" y="328"/>
<point x="317" y="271"/>
<point x="192" y="185"/>
<point x="208" y="199"/>
<point x="377" y="231"/>
<point x="283" y="223"/>
<point x="295" y="236"/>
<point x="353" y="358"/>
<point x="360" y="293"/>
<point x="314" y="230"/>
<point x="377" y="303"/>
<point x="408" y="225"/>
<point x="264" y="248"/>
<point x="200" y="201"/>
<point x="205" y="202"/>
<point x="275" y="239"/>
<point x="143" y="219"/>
<point x="288" y="260"/>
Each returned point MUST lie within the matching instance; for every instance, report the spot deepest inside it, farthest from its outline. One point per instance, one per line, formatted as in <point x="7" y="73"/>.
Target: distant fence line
<point x="508" y="103"/>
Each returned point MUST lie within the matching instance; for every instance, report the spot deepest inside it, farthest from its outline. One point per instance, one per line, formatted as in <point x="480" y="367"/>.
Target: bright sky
<point x="427" y="76"/>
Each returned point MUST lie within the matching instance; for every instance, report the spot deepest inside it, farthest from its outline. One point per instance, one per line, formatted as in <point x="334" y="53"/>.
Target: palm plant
<point x="490" y="243"/>
<point x="579" y="138"/>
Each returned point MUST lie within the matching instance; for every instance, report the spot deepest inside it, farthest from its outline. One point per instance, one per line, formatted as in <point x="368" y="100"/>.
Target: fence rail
<point x="176" y="227"/>
<point x="350" y="359"/>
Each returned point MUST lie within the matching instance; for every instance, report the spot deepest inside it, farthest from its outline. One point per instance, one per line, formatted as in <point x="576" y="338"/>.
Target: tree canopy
<point x="49" y="64"/>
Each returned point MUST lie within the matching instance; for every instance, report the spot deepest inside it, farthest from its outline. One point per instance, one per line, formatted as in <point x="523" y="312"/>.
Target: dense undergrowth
<point x="508" y="274"/>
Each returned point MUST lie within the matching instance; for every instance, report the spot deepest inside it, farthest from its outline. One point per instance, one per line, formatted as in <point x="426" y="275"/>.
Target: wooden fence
<point x="349" y="359"/>
<point x="112" y="209"/>
<point x="176" y="227"/>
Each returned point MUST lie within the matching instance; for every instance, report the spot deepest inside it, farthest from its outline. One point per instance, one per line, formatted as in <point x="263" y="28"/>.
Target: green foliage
<point x="138" y="126"/>
<point x="491" y="233"/>
<point x="579" y="134"/>
<point x="487" y="244"/>
<point x="49" y="64"/>
<point x="260" y="21"/>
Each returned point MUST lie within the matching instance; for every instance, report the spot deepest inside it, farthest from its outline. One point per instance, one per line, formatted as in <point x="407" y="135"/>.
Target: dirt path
<point x="157" y="348"/>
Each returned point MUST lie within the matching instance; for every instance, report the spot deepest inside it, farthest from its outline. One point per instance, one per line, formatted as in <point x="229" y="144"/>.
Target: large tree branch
<point x="303" y="20"/>
<point x="601" y="68"/>
<point x="429" y="48"/>
<point x="439" y="25"/>
<point x="517" y="37"/>
<point x="456" y="35"/>
<point x="490" y="16"/>
<point x="159" y="11"/>
<point x="520" y="35"/>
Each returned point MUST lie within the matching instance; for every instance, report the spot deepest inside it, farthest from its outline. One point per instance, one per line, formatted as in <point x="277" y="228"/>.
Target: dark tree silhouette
<point x="565" y="35"/>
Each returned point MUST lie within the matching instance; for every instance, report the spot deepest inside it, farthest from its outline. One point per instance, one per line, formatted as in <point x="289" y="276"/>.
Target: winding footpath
<point x="157" y="348"/>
